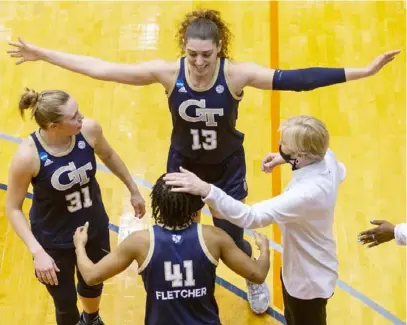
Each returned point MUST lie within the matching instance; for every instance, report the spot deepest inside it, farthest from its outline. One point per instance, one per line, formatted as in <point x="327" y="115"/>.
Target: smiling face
<point x="201" y="56"/>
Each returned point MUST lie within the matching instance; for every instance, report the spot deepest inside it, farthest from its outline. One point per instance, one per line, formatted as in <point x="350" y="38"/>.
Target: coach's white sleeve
<point x="238" y="213"/>
<point x="282" y="208"/>
<point x="400" y="234"/>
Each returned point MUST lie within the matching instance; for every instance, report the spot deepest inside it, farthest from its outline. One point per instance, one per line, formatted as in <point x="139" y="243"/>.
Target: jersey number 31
<point x="75" y="201"/>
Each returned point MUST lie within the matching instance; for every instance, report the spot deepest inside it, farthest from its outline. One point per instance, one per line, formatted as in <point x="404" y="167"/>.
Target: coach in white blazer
<point x="304" y="212"/>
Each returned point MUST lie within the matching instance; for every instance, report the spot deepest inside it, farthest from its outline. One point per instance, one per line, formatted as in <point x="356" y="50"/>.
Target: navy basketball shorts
<point x="65" y="293"/>
<point x="229" y="175"/>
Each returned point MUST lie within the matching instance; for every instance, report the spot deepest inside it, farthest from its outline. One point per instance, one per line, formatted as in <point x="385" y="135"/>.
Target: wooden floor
<point x="367" y="121"/>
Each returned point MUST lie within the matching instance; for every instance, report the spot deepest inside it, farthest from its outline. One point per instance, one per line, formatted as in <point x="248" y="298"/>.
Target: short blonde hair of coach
<point x="305" y="136"/>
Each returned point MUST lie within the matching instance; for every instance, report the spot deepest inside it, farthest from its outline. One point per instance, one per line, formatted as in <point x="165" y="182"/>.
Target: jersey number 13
<point x="206" y="139"/>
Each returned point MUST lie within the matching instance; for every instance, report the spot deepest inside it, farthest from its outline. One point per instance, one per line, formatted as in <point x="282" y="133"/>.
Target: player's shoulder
<point x="27" y="149"/>
<point x="91" y="125"/>
<point x="91" y="130"/>
<point x="166" y="72"/>
<point x="238" y="74"/>
<point x="140" y="237"/>
<point x="172" y="65"/>
<point x="236" y="68"/>
<point x="213" y="233"/>
<point x="163" y="68"/>
<point x="26" y="155"/>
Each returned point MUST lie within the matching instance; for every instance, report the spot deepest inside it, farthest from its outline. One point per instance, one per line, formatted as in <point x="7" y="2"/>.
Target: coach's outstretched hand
<point x="187" y="182"/>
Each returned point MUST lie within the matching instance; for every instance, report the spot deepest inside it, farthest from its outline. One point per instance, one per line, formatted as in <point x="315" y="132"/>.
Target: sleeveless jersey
<point x="66" y="194"/>
<point x="179" y="277"/>
<point x="204" y="122"/>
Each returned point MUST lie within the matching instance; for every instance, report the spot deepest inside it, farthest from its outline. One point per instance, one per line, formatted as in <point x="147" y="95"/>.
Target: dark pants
<point x="229" y="176"/>
<point x="303" y="312"/>
<point x="65" y="293"/>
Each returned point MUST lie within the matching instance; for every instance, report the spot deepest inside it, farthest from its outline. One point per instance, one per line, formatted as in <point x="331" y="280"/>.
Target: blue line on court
<point x="342" y="285"/>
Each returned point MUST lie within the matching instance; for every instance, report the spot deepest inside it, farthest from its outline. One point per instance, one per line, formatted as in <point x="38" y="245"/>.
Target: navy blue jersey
<point x="179" y="277"/>
<point x="66" y="194"/>
<point x="204" y="121"/>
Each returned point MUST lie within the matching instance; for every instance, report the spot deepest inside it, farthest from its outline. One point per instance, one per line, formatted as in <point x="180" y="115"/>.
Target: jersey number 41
<point x="173" y="273"/>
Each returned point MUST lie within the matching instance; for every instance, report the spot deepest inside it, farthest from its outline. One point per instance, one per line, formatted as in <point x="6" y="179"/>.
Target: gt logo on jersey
<point x="203" y="114"/>
<point x="75" y="175"/>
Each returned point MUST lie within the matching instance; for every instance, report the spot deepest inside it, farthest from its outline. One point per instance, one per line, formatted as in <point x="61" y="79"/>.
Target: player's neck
<point x="53" y="140"/>
<point x="176" y="228"/>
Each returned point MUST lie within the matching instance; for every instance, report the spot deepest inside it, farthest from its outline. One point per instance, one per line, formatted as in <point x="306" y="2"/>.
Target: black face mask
<point x="293" y="162"/>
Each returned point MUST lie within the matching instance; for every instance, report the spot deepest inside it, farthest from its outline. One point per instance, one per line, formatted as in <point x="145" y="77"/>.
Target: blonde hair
<point x="305" y="136"/>
<point x="45" y="106"/>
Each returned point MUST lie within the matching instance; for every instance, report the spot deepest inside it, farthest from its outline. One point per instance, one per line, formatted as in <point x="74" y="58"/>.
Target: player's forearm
<point x="85" y="265"/>
<point x="263" y="263"/>
<point x="22" y="229"/>
<point x="312" y="78"/>
<point x="86" y="65"/>
<point x="118" y="168"/>
<point x="356" y="73"/>
<point x="307" y="79"/>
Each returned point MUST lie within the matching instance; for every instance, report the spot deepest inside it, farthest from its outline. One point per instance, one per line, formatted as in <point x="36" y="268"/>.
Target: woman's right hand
<point x="271" y="160"/>
<point x="45" y="268"/>
<point x="25" y="51"/>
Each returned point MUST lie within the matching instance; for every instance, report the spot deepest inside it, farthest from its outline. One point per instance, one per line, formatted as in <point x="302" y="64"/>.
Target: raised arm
<point x="145" y="73"/>
<point x="283" y="208"/>
<point x="133" y="247"/>
<point x="21" y="171"/>
<point x="234" y="258"/>
<point x="257" y="76"/>
<point x="258" y="215"/>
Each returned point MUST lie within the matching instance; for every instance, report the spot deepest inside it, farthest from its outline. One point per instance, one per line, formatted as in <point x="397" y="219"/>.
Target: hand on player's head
<point x="80" y="237"/>
<point x="187" y="182"/>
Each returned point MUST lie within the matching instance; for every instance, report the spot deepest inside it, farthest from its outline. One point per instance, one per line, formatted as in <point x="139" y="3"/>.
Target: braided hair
<point x="173" y="209"/>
